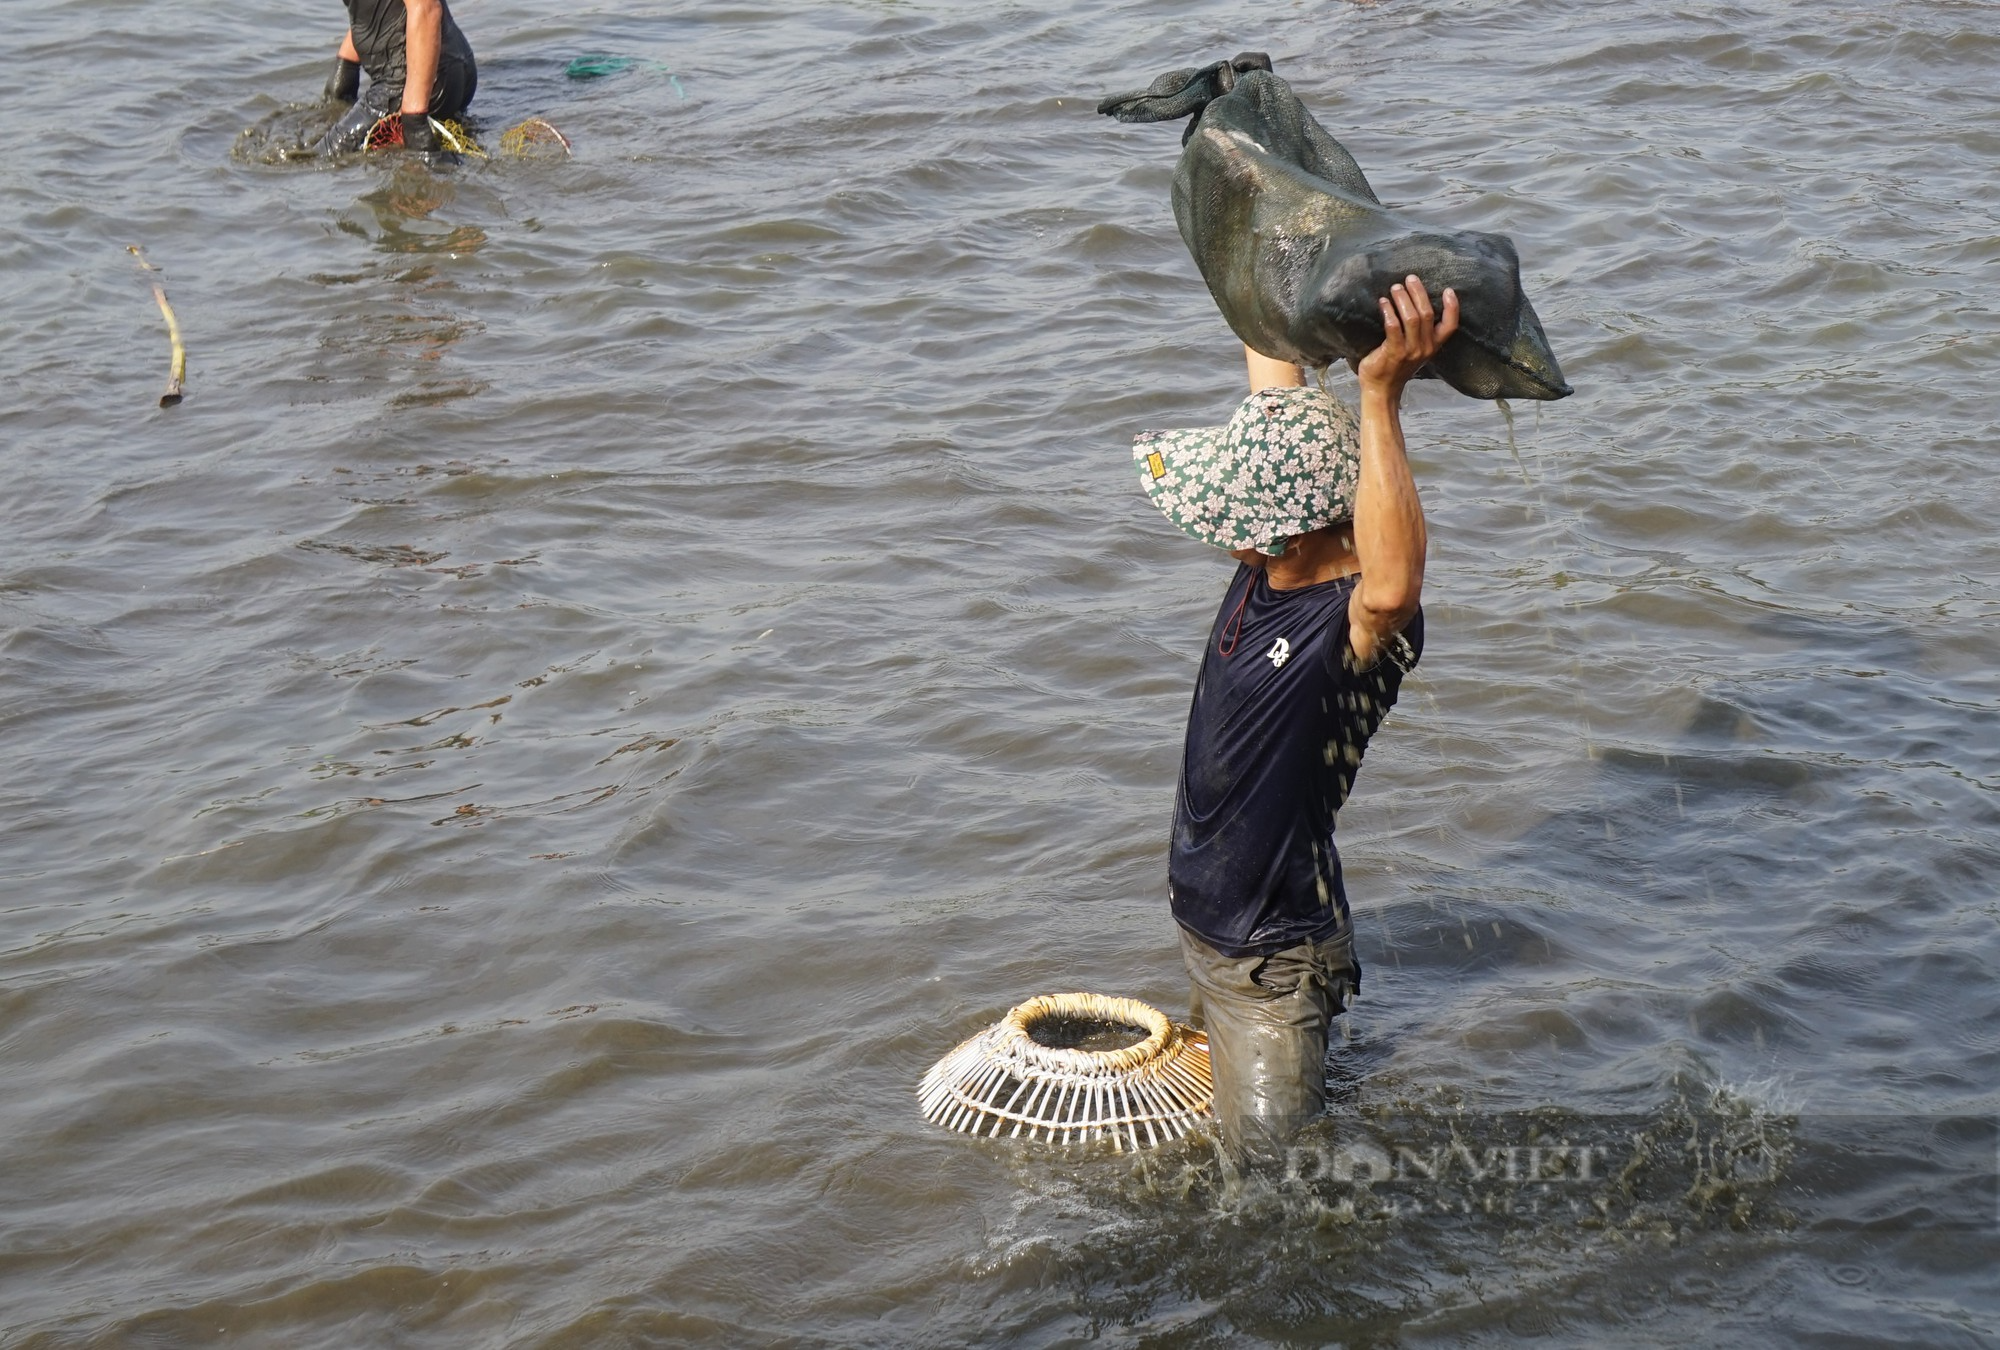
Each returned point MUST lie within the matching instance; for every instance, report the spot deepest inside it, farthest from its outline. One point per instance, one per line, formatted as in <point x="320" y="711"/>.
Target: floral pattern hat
<point x="1287" y="463"/>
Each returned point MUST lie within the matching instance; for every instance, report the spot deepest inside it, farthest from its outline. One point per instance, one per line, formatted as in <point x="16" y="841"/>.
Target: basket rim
<point x="1015" y="1028"/>
<point x="1003" y="1081"/>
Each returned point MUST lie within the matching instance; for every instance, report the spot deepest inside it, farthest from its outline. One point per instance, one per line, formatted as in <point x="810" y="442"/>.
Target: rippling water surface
<point x="618" y="664"/>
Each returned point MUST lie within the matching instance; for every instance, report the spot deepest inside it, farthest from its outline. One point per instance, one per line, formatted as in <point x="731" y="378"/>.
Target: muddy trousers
<point x="1267" y="1020"/>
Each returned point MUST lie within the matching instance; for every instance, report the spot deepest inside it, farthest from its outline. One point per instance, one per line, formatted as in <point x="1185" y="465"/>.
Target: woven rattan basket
<point x="1032" y="1074"/>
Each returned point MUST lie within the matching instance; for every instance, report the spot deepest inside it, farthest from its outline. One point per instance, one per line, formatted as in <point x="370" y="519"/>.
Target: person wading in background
<point x="1313" y="638"/>
<point x="419" y="66"/>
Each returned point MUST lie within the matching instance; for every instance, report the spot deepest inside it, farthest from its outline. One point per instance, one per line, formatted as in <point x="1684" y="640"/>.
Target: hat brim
<point x="1177" y="470"/>
<point x="1287" y="463"/>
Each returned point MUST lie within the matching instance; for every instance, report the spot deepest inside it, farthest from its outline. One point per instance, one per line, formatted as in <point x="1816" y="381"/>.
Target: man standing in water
<point x="1311" y="643"/>
<point x="419" y="66"/>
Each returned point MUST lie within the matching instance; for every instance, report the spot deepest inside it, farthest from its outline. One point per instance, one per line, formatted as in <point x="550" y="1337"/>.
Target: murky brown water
<point x="617" y="665"/>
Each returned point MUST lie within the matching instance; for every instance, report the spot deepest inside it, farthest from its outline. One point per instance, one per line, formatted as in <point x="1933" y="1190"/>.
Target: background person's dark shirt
<point x="380" y="28"/>
<point x="1272" y="749"/>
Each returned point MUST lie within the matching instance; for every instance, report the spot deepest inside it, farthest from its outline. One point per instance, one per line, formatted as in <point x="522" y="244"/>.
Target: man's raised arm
<point x="1267" y="373"/>
<point x="1389" y="537"/>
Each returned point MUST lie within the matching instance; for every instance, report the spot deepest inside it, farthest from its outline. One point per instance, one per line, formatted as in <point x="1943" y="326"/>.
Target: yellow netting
<point x="452" y="135"/>
<point x="534" y="137"/>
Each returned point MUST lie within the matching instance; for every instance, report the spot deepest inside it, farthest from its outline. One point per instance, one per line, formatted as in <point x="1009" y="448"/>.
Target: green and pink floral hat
<point x="1288" y="462"/>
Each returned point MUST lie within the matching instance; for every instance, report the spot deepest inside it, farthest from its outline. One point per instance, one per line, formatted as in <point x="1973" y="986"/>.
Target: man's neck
<point x="1322" y="555"/>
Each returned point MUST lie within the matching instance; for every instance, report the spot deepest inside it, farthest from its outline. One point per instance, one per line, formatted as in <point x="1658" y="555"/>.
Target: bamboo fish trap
<point x="1033" y="1074"/>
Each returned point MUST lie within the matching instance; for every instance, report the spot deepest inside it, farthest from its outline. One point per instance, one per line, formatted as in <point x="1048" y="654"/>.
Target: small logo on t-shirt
<point x="1281" y="652"/>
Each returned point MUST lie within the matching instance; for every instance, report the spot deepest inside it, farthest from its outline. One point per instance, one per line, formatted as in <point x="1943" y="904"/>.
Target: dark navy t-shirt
<point x="1276" y="733"/>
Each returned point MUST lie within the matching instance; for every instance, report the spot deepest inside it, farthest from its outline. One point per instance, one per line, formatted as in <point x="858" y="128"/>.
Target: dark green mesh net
<point x="1296" y="248"/>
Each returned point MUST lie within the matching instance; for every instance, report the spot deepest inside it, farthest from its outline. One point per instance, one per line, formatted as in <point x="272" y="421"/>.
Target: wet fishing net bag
<point x="1297" y="249"/>
<point x="1067" y="1068"/>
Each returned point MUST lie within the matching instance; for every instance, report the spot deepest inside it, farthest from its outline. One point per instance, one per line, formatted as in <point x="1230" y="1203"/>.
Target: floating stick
<point x="177" y="373"/>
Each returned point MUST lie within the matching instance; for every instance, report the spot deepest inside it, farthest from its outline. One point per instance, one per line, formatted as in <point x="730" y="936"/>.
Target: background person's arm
<point x="1389" y="536"/>
<point x="344" y="85"/>
<point x="423" y="36"/>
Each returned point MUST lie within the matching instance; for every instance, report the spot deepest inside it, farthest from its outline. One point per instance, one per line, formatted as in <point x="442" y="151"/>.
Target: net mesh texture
<point x="535" y="137"/>
<point x="1297" y="249"/>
